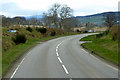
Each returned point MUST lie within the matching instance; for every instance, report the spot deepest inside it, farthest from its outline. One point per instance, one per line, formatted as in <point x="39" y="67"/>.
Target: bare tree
<point x="59" y="14"/>
<point x="89" y="25"/>
<point x="110" y="20"/>
<point x="69" y="23"/>
<point x="65" y="12"/>
<point x="47" y="19"/>
<point x="34" y="21"/>
<point x="54" y="12"/>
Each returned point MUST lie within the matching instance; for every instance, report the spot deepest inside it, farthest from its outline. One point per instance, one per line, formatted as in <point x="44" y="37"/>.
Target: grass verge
<point x="104" y="47"/>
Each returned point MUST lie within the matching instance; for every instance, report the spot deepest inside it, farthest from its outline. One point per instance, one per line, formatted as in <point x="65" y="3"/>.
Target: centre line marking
<point x="59" y="44"/>
<point x="59" y="59"/>
<point x="57" y="53"/>
<point x="56" y="50"/>
<point x="66" y="71"/>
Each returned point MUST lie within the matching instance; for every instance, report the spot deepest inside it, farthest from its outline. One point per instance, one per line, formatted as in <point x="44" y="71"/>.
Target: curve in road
<point x="62" y="58"/>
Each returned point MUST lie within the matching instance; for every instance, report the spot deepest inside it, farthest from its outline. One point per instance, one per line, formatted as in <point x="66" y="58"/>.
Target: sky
<point x="11" y="8"/>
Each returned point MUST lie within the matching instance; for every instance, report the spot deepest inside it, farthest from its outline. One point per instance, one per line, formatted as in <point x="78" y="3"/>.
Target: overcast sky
<point x="37" y="7"/>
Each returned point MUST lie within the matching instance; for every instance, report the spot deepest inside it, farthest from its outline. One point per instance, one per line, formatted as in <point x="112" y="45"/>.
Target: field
<point x="104" y="46"/>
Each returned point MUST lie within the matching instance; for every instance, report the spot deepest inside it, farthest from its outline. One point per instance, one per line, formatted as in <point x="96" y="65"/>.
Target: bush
<point x="115" y="32"/>
<point x="77" y="30"/>
<point x="53" y="33"/>
<point x="106" y="32"/>
<point x="113" y="38"/>
<point x="29" y="29"/>
<point x="36" y="28"/>
<point x="99" y="35"/>
<point x="41" y="30"/>
<point x="85" y="31"/>
<point x="19" y="38"/>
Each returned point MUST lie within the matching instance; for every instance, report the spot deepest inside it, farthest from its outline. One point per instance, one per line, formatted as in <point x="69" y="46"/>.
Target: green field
<point x="104" y="46"/>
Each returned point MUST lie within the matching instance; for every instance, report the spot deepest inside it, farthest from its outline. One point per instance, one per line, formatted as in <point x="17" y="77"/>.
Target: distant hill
<point x="34" y="16"/>
<point x="97" y="19"/>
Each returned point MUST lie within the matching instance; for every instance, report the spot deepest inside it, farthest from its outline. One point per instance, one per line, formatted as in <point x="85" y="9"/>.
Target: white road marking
<point x="105" y="63"/>
<point x="56" y="50"/>
<point x="94" y="57"/>
<point x="17" y="69"/>
<point x="70" y="79"/>
<point x="111" y="67"/>
<point x="84" y="51"/>
<point x="59" y="59"/>
<point x="57" y="47"/>
<point x="102" y="61"/>
<point x="57" y="54"/>
<point x="66" y="71"/>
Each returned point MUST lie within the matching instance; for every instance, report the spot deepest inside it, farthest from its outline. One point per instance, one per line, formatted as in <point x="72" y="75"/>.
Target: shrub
<point x="36" y="28"/>
<point x="19" y="38"/>
<point x="99" y="35"/>
<point x="85" y="31"/>
<point x="41" y="30"/>
<point x="53" y="33"/>
<point x="113" y="38"/>
<point x="77" y="30"/>
<point x="106" y="32"/>
<point x="29" y="29"/>
<point x="115" y="32"/>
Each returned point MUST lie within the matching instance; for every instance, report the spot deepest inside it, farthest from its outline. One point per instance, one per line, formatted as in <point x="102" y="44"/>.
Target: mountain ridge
<point x="97" y="19"/>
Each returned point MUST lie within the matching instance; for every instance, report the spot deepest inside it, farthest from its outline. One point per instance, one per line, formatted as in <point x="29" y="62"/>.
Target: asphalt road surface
<point x="62" y="58"/>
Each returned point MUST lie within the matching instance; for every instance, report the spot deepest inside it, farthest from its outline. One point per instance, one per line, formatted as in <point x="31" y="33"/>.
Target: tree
<point x="110" y="20"/>
<point x="65" y="12"/>
<point x="19" y="20"/>
<point x="47" y="19"/>
<point x="54" y="13"/>
<point x="6" y="21"/>
<point x="69" y="23"/>
<point x="60" y="15"/>
<point x="0" y="20"/>
<point x="34" y="21"/>
<point x="89" y="25"/>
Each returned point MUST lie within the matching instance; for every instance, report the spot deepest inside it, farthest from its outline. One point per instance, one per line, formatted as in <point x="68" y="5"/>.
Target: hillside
<point x="97" y="19"/>
<point x="34" y="16"/>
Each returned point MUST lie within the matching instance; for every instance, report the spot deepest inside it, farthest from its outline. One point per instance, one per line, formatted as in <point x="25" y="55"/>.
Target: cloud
<point x="35" y="7"/>
<point x="12" y="9"/>
<point x="9" y="7"/>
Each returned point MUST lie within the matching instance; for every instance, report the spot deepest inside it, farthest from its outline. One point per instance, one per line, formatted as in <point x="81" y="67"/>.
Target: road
<point x="62" y="58"/>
